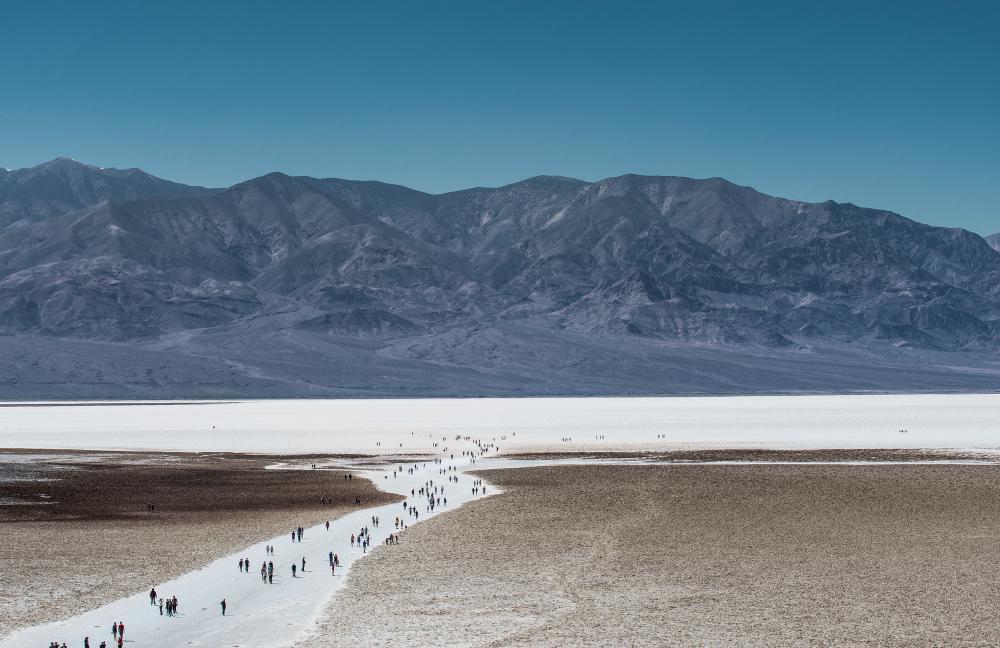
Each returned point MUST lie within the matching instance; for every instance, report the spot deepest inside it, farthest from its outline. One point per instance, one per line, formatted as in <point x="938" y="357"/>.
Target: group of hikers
<point x="117" y="633"/>
<point x="267" y="572"/>
<point x="432" y="493"/>
<point x="169" y="605"/>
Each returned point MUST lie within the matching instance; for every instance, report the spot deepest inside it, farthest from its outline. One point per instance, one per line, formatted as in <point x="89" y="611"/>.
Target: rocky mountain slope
<point x="510" y="281"/>
<point x="994" y="241"/>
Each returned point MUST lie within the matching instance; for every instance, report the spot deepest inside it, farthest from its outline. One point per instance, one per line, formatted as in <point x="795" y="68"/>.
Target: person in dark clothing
<point x="223" y="604"/>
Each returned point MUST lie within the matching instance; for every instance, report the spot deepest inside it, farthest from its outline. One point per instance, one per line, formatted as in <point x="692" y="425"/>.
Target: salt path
<point x="261" y="614"/>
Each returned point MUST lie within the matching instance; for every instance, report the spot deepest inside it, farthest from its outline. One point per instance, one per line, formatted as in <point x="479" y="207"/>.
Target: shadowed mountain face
<point x="994" y="241"/>
<point x="121" y="256"/>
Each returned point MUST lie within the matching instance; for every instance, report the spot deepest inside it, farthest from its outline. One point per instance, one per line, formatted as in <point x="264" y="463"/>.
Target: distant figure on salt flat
<point x="223" y="604"/>
<point x="293" y="570"/>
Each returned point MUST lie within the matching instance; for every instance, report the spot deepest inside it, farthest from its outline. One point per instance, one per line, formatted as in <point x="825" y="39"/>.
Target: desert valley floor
<point x="771" y="521"/>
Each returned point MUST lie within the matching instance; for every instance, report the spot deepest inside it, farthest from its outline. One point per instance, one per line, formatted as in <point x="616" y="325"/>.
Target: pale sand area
<point x="94" y="542"/>
<point x="692" y="555"/>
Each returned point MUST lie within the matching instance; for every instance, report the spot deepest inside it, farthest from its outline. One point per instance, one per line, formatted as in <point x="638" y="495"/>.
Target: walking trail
<point x="258" y="613"/>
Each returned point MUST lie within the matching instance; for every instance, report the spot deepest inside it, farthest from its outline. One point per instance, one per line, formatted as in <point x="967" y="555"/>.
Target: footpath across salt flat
<point x="258" y="613"/>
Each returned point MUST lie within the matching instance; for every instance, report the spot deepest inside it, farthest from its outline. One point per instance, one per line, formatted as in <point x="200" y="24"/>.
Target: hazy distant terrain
<point x="116" y="283"/>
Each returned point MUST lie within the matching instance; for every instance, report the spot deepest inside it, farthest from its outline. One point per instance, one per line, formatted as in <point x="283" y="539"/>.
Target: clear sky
<point x="889" y="105"/>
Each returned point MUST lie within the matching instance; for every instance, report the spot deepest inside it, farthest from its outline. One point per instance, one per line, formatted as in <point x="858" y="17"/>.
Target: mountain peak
<point x="64" y="184"/>
<point x="994" y="241"/>
<point x="63" y="164"/>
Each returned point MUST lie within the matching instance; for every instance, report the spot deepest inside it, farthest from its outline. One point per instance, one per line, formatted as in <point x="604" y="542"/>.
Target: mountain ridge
<point x="451" y="280"/>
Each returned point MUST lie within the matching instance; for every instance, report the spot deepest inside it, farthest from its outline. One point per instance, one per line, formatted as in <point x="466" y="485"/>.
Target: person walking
<point x="223" y="604"/>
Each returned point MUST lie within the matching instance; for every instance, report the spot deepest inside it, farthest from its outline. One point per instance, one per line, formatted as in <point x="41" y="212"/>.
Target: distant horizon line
<point x="582" y="182"/>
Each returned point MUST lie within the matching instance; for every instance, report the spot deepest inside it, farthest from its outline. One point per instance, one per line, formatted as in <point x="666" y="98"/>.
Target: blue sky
<point x="885" y="105"/>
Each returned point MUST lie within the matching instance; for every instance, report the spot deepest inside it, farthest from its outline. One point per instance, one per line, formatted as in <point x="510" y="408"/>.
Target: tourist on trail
<point x="328" y="525"/>
<point x="223" y="604"/>
<point x="293" y="570"/>
<point x="241" y="564"/>
<point x="152" y="596"/>
<point x="86" y="642"/>
<point x="161" y="606"/>
<point x="121" y="631"/>
<point x="114" y="629"/>
<point x="303" y="563"/>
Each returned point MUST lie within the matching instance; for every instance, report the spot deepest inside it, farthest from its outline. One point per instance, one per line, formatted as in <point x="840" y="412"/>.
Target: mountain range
<point x="115" y="283"/>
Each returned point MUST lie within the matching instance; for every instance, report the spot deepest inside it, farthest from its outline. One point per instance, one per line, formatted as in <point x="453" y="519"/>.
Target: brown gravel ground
<point x="692" y="556"/>
<point x="763" y="455"/>
<point x="96" y="541"/>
